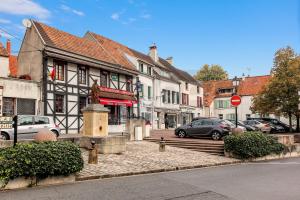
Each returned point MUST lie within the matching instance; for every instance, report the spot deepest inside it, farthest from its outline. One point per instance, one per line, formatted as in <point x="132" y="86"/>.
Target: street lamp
<point x="235" y="83"/>
<point x="138" y="89"/>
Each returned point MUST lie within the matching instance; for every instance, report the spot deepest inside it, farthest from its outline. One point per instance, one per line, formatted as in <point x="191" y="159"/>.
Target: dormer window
<point x="198" y="89"/>
<point x="225" y="91"/>
<point x="187" y="86"/>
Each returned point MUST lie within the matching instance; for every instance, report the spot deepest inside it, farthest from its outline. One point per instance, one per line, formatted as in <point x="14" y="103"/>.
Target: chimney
<point x="8" y="47"/>
<point x="153" y="52"/>
<point x="170" y="60"/>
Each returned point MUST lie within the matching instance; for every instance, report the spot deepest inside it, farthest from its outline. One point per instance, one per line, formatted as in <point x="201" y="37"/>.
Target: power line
<point x="16" y="37"/>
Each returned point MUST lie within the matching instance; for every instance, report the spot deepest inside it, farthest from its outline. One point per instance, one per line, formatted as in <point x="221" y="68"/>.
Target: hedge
<point x="40" y="160"/>
<point x="252" y="145"/>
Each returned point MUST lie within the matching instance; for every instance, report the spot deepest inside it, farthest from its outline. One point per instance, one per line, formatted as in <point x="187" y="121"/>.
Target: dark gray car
<point x="214" y="128"/>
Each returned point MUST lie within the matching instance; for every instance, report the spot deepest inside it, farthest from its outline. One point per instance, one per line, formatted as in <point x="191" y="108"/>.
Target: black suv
<point x="273" y="121"/>
<point x="215" y="128"/>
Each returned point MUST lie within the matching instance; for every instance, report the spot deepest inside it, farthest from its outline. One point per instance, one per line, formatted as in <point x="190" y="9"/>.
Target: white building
<point x="217" y="96"/>
<point x="17" y="96"/>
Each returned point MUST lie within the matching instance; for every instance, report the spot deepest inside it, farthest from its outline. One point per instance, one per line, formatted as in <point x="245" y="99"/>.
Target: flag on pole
<point x="52" y="74"/>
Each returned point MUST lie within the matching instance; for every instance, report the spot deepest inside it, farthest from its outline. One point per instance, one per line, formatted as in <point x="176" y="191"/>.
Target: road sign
<point x="235" y="100"/>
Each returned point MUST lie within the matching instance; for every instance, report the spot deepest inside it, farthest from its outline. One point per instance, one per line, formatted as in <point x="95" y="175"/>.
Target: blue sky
<point x="240" y="35"/>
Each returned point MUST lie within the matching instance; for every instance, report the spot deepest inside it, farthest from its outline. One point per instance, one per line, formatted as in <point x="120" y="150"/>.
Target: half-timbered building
<point x="66" y="67"/>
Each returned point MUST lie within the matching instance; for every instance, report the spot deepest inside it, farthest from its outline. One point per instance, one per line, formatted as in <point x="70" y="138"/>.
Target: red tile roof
<point x="249" y="86"/>
<point x="3" y="51"/>
<point x="13" y="65"/>
<point x="253" y="85"/>
<point x="81" y="46"/>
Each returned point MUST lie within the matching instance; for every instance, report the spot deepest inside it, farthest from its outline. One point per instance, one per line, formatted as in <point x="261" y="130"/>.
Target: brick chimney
<point x="170" y="60"/>
<point x="153" y="52"/>
<point x="8" y="46"/>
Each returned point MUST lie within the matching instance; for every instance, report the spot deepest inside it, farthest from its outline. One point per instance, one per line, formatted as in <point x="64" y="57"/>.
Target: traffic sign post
<point x="235" y="102"/>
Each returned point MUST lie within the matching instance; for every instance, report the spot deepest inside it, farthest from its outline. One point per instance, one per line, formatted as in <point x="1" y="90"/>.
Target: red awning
<point x="105" y="101"/>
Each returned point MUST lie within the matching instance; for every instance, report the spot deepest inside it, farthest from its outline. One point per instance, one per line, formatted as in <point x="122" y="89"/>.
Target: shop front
<point x="163" y="115"/>
<point x="120" y="105"/>
<point x="186" y="115"/>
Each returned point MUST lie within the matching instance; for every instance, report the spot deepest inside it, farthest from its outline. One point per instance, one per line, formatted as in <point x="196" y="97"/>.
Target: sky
<point x="240" y="35"/>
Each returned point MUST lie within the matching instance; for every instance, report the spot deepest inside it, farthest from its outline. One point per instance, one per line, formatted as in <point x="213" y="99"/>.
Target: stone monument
<point x="95" y="127"/>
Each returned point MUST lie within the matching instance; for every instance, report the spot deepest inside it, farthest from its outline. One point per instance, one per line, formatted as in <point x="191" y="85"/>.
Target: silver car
<point x="29" y="125"/>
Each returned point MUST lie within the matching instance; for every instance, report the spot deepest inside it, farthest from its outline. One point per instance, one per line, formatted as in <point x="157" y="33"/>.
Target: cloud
<point x="5" y="21"/>
<point x="115" y="16"/>
<point x="68" y="9"/>
<point x="146" y="16"/>
<point x="24" y="7"/>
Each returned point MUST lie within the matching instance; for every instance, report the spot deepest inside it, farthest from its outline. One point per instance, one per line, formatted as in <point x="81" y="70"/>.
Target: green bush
<point x="40" y="160"/>
<point x="252" y="145"/>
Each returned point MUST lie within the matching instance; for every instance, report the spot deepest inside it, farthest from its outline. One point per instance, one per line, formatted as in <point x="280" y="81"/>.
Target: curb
<point x="155" y="171"/>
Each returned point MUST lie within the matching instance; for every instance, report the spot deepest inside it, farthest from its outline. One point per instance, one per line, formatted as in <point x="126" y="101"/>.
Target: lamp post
<point x="235" y="83"/>
<point x="138" y="88"/>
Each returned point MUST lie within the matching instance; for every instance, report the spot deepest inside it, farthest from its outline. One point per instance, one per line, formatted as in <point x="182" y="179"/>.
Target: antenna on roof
<point x="26" y="23"/>
<point x="248" y="70"/>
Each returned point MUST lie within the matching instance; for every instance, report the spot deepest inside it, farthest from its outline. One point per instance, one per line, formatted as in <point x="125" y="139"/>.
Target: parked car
<point x="232" y="125"/>
<point x="197" y="118"/>
<point x="263" y="127"/>
<point x="29" y="125"/>
<point x="215" y="128"/>
<point x="248" y="127"/>
<point x="274" y="121"/>
<point x="274" y="128"/>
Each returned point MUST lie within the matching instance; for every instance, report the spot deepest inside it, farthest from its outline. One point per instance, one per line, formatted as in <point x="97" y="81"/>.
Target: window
<point x="173" y="97"/>
<point x="59" y="103"/>
<point x="199" y="102"/>
<point x="185" y="99"/>
<point x="169" y="96"/>
<point x="142" y="90"/>
<point x="164" y="96"/>
<point x="197" y="123"/>
<point x="177" y="97"/>
<point x="149" y="70"/>
<point x="141" y="67"/>
<point x="149" y="92"/>
<point x="220" y="116"/>
<point x="23" y="121"/>
<point x="82" y="103"/>
<point x="198" y="89"/>
<point x="8" y="106"/>
<point x="59" y="67"/>
<point x="128" y="83"/>
<point x="25" y="106"/>
<point x="225" y="90"/>
<point x="82" y="75"/>
<point x="221" y="104"/>
<point x="103" y="79"/>
<point x="41" y="120"/>
<point x="186" y="86"/>
<point x="248" y="116"/>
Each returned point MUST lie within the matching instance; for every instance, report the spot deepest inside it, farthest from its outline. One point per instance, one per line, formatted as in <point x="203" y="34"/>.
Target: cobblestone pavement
<point x="142" y="157"/>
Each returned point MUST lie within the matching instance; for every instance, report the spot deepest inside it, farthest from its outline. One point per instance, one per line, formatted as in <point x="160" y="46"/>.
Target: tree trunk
<point x="290" y="122"/>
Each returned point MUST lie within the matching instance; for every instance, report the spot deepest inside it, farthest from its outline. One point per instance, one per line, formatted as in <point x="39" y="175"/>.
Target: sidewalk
<point x="144" y="157"/>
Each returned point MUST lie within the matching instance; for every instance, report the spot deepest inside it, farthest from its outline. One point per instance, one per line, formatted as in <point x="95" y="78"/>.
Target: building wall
<point x="4" y="69"/>
<point x="20" y="89"/>
<point x="30" y="59"/>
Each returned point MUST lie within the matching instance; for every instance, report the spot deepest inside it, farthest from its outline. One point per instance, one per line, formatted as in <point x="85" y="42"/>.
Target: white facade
<point x="195" y="102"/>
<point x="4" y="63"/>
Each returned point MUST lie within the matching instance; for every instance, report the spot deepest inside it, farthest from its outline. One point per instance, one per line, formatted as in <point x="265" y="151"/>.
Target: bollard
<point x="162" y="145"/>
<point x="93" y="154"/>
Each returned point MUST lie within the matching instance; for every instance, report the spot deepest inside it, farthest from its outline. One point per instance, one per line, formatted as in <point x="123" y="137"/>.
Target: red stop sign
<point x="235" y="100"/>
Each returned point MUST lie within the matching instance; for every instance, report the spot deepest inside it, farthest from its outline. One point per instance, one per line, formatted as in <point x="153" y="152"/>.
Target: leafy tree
<point x="280" y="95"/>
<point x="212" y="72"/>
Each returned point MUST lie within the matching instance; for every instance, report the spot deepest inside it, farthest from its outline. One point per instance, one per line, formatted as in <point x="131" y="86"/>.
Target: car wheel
<point x="4" y="136"/>
<point x="181" y="134"/>
<point x="215" y="135"/>
<point x="55" y="132"/>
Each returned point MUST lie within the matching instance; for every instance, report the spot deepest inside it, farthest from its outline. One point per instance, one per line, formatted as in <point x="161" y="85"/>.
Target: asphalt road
<point x="274" y="180"/>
